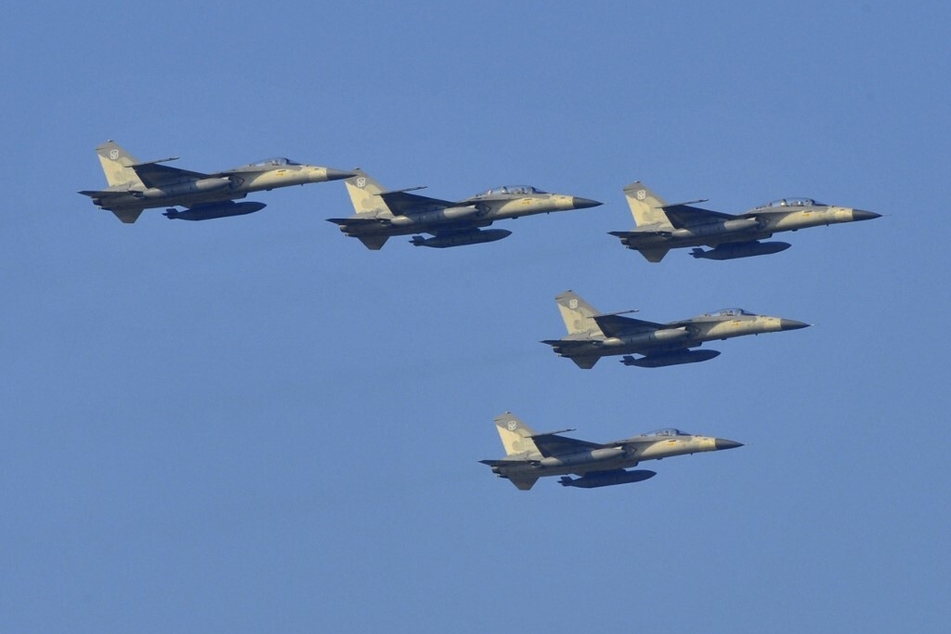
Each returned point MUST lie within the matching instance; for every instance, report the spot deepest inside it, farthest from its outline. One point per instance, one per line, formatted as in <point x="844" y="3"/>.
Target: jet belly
<point x="737" y="225"/>
<point x="186" y="189"/>
<point x="155" y="197"/>
<point x="741" y="230"/>
<point x="582" y="457"/>
<point x="436" y="216"/>
<point x="605" y="459"/>
<point x="663" y="338"/>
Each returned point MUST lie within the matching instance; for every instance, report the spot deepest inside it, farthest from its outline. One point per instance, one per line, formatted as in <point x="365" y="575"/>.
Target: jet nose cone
<point x="336" y="175"/>
<point x="792" y="324"/>
<point x="722" y="443"/>
<point x="860" y="214"/>
<point x="583" y="203"/>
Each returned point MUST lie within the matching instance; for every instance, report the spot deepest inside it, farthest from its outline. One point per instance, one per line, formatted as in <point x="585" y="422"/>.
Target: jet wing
<point x="618" y="326"/>
<point x="403" y="203"/>
<point x="105" y="194"/>
<point x="157" y="175"/>
<point x="357" y="221"/>
<point x="683" y="216"/>
<point x="508" y="462"/>
<point x="554" y="445"/>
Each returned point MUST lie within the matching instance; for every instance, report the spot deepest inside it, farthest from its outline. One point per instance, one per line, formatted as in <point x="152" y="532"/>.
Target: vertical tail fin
<point x="116" y="164"/>
<point x="515" y="435"/>
<point x="577" y="314"/>
<point x="646" y="206"/>
<point x="364" y="192"/>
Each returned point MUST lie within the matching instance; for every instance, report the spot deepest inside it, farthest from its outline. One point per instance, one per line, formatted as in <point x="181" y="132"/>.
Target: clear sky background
<point x="256" y="424"/>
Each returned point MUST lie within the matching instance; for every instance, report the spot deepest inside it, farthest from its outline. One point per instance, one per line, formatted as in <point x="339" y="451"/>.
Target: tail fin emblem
<point x="512" y="425"/>
<point x="573" y="304"/>
<point x="361" y="182"/>
<point x="114" y="154"/>
<point x="641" y="194"/>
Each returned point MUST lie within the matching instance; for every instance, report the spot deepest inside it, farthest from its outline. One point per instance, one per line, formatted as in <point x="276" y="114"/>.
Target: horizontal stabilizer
<point x="101" y="193"/>
<point x="508" y="462"/>
<point x="567" y="344"/>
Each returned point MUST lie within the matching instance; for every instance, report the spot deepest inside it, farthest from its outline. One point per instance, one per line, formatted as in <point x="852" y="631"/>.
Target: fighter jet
<point x="383" y="214"/>
<point x="592" y="335"/>
<point x="662" y="226"/>
<point x="530" y="455"/>
<point x="134" y="186"/>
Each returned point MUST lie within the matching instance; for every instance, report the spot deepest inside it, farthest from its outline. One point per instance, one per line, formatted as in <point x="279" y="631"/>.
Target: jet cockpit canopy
<point x="670" y="431"/>
<point x="730" y="312"/>
<point x="791" y="202"/>
<point x="510" y="190"/>
<point x="277" y="161"/>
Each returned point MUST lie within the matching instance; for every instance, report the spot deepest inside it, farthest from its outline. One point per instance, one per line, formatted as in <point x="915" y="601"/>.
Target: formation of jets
<point x="380" y="214"/>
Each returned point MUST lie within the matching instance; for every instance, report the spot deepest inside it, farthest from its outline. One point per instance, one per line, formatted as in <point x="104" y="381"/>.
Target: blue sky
<point x="256" y="424"/>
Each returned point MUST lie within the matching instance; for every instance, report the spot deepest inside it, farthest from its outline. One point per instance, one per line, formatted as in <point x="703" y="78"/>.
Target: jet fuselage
<point x="677" y="336"/>
<point x="476" y="212"/>
<point x="742" y="229"/>
<point x="626" y="453"/>
<point x="382" y="214"/>
<point x="228" y="185"/>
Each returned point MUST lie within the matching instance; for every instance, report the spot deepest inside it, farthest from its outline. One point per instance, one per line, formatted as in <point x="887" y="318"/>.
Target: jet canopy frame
<point x="791" y="202"/>
<point x="730" y="312"/>
<point x="275" y="161"/>
<point x="510" y="190"/>
<point x="667" y="432"/>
